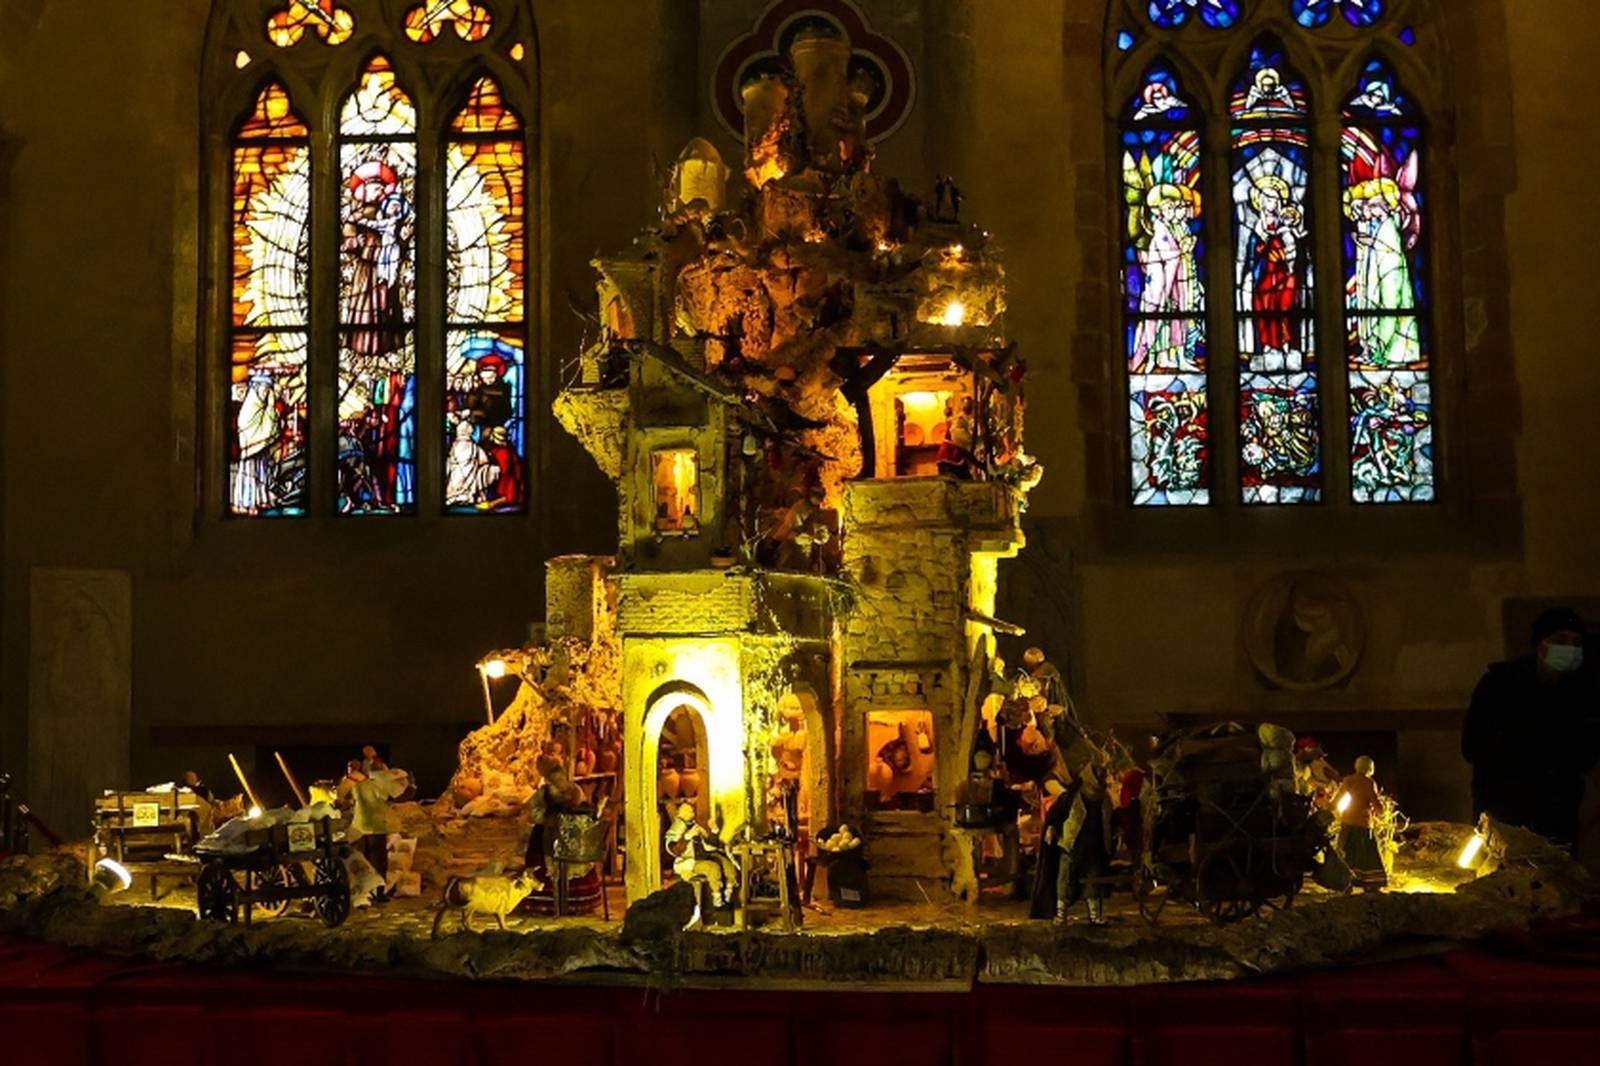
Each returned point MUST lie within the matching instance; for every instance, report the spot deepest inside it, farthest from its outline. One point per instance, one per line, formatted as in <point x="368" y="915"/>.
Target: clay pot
<point x="668" y="783"/>
<point x="689" y="782"/>
<point x="466" y="790"/>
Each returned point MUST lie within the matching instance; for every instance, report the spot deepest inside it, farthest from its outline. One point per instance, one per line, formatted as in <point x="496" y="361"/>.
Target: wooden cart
<point x="149" y="833"/>
<point x="275" y="865"/>
<point x="1221" y="834"/>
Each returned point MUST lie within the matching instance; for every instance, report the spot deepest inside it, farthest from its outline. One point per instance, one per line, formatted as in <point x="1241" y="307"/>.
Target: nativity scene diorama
<point x="781" y="706"/>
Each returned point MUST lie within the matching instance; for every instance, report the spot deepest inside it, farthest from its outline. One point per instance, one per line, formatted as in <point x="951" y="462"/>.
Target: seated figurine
<point x="699" y="855"/>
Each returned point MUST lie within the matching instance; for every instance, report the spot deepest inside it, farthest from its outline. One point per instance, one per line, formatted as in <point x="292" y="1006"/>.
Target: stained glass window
<point x="1163" y="285"/>
<point x="267" y="405"/>
<point x="1391" y="408"/>
<point x="1280" y="444"/>
<point x="427" y="22"/>
<point x="331" y="23"/>
<point x="486" y="278"/>
<point x="1218" y="14"/>
<point x="377" y="386"/>
<point x="1228" y="402"/>
<point x="389" y="330"/>
<point x="1313" y="13"/>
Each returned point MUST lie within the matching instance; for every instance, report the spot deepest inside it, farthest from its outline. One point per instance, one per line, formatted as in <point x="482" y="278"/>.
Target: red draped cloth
<point x="1528" y="1002"/>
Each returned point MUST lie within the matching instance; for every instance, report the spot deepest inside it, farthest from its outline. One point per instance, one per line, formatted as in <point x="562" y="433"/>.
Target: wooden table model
<point x="768" y="860"/>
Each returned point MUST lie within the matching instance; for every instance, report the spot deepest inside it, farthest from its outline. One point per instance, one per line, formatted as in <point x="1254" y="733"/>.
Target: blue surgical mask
<point x="1563" y="658"/>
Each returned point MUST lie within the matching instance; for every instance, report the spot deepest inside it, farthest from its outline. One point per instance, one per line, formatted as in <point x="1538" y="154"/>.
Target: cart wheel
<point x="1223" y="884"/>
<point x="333" y="902"/>
<point x="1151" y="897"/>
<point x="217" y="894"/>
<point x="273" y="877"/>
<point x="1285" y="900"/>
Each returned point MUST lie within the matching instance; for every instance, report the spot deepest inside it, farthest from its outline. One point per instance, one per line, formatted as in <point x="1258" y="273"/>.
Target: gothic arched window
<point x="374" y="330"/>
<point x="1234" y="393"/>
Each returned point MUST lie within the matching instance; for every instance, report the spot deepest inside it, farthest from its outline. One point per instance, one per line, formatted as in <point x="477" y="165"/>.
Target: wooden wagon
<point x="272" y="866"/>
<point x="149" y="833"/>
<point x="1222" y="834"/>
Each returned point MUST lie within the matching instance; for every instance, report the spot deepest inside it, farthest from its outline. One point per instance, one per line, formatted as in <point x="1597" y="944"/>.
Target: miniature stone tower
<point x="803" y="394"/>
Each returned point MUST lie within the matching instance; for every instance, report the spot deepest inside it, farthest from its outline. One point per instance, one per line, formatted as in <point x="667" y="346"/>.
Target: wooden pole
<point x="294" y="786"/>
<point x="488" y="696"/>
<point x="245" y="781"/>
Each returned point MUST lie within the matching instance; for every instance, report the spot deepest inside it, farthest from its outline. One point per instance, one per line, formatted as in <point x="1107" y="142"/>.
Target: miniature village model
<point x="777" y="716"/>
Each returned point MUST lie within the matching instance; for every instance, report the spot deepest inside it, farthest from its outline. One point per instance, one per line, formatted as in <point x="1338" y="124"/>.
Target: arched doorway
<point x="676" y="745"/>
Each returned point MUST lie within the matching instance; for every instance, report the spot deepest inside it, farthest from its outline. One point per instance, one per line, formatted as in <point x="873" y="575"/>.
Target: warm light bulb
<point x="495" y="669"/>
<point x="112" y="875"/>
<point x="1344" y="803"/>
<point x="254" y="812"/>
<point x="957" y="250"/>
<point x="1469" y="853"/>
<point x="884" y="247"/>
<point x="955" y="313"/>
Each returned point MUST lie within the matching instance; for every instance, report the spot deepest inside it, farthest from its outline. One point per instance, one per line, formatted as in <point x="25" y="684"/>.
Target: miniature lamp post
<point x="491" y="669"/>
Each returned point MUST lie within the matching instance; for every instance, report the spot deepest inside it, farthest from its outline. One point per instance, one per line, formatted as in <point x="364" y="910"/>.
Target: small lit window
<point x="677" y="491"/>
<point x="900" y="760"/>
<point x="923" y="421"/>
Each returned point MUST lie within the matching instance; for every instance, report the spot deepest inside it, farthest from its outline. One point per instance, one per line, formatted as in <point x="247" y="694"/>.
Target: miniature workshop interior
<point x="797" y="492"/>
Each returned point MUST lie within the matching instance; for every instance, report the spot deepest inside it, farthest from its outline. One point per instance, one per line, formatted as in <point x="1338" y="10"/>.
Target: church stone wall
<point x="367" y="630"/>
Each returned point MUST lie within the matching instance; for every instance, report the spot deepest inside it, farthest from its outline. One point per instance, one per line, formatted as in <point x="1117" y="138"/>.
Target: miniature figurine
<point x="789" y="752"/>
<point x="903" y="765"/>
<point x="1041" y="678"/>
<point x="367" y="794"/>
<point x="557" y="794"/>
<point x="1357" y="843"/>
<point x="1315" y="776"/>
<point x="955" y="451"/>
<point x="192" y="782"/>
<point x="698" y="854"/>
<point x="485" y="894"/>
<point x="1078" y="828"/>
<point x="946" y="193"/>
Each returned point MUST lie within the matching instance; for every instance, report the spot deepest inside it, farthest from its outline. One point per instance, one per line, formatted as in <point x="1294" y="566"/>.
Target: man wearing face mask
<point x="1532" y="733"/>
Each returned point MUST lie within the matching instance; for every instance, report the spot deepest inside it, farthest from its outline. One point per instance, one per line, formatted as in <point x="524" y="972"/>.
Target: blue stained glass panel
<point x="1280" y="438"/>
<point x="1124" y="41"/>
<point x="484" y="399"/>
<point x="1377" y="94"/>
<point x="1170" y="445"/>
<point x="1314" y="13"/>
<point x="1391" y="437"/>
<point x="1218" y="14"/>
<point x="1269" y="89"/>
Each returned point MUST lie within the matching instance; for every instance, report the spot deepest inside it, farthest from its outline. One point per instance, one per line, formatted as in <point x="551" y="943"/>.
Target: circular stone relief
<point x="1304" y="631"/>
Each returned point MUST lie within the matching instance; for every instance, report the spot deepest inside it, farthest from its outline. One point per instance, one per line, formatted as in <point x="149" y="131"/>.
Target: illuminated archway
<point x="719" y="731"/>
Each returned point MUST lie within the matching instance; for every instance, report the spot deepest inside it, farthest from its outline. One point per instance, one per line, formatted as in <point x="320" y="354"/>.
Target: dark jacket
<point x="1531" y="745"/>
